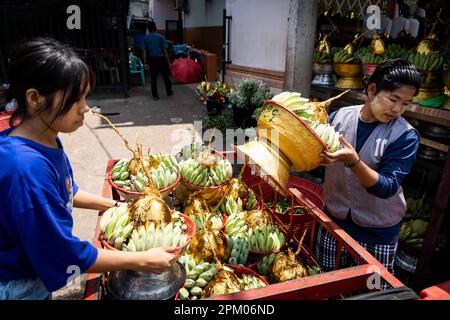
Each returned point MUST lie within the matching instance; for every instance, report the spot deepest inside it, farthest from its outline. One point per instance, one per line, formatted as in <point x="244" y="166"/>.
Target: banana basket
<point x="131" y="195"/>
<point x="211" y="194"/>
<point x="340" y="283"/>
<point x="190" y="231"/>
<point x="240" y="271"/>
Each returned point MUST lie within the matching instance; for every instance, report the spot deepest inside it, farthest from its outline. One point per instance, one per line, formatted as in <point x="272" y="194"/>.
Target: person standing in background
<point x="156" y="58"/>
<point x="421" y="15"/>
<point x="140" y="30"/>
<point x="401" y="9"/>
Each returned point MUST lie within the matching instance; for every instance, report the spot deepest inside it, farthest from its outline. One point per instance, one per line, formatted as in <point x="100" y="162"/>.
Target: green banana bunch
<point x="266" y="239"/>
<point x="116" y="226"/>
<point x="413" y="232"/>
<point x="282" y="205"/>
<point x="426" y="61"/>
<point x="320" y="57"/>
<point x="237" y="226"/>
<point x="164" y="175"/>
<point x="367" y="56"/>
<point x="188" y="262"/>
<point x="313" y="270"/>
<point x="344" y="56"/>
<point x="297" y="104"/>
<point x="191" y="151"/>
<point x="252" y="202"/>
<point x="202" y="176"/>
<point x="264" y="265"/>
<point x="197" y="278"/>
<point x="200" y="221"/>
<point x="417" y="208"/>
<point x="394" y="51"/>
<point x="120" y="171"/>
<point x="327" y="135"/>
<point x="230" y="206"/>
<point x="238" y="250"/>
<point x="249" y="282"/>
<point x="170" y="234"/>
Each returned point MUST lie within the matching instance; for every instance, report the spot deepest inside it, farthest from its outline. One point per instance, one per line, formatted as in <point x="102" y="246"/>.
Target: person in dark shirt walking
<point x="156" y="58"/>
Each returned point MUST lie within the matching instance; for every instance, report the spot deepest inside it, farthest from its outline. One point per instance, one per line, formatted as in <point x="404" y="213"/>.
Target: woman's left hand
<point x="347" y="154"/>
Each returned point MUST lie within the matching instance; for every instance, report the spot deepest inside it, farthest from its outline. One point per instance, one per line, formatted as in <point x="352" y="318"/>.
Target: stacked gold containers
<point x="446" y="79"/>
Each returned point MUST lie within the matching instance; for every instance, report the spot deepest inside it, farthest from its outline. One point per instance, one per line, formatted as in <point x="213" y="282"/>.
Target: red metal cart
<point x="336" y="284"/>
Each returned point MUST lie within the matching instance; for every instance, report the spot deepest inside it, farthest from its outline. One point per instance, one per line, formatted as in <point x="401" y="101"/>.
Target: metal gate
<point x="101" y="41"/>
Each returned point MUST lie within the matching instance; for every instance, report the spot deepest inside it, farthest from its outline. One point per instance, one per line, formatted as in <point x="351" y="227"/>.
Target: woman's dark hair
<point x="151" y="26"/>
<point x="48" y="66"/>
<point x="392" y="74"/>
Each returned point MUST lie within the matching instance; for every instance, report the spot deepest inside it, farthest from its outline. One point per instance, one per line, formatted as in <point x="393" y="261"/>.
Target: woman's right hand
<point x="155" y="260"/>
<point x="158" y="260"/>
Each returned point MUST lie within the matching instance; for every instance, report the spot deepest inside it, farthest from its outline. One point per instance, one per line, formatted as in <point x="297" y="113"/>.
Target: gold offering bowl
<point x="323" y="68"/>
<point x="430" y="87"/>
<point x="285" y="142"/>
<point x="431" y="80"/>
<point x="446" y="79"/>
<point x="349" y="75"/>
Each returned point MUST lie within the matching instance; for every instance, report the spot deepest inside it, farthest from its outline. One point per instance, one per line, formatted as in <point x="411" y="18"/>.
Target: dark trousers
<point x="159" y="65"/>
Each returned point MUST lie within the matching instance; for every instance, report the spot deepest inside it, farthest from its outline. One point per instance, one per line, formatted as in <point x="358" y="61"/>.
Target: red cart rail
<point x="335" y="284"/>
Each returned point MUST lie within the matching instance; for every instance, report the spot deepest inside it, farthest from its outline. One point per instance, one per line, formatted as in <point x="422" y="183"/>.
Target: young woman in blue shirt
<point x="38" y="251"/>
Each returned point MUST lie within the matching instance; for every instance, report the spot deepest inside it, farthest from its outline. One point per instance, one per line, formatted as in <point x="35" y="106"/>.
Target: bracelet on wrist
<point x="352" y="164"/>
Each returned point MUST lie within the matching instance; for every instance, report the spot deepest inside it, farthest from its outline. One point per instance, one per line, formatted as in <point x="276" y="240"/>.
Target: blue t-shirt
<point x="154" y="44"/>
<point x="138" y="39"/>
<point x="36" y="199"/>
<point x="395" y="164"/>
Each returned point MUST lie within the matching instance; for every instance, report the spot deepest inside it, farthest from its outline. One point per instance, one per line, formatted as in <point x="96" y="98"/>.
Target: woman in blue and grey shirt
<point x="363" y="192"/>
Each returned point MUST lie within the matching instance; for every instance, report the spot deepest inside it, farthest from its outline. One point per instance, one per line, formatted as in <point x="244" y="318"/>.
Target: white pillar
<point x="300" y="45"/>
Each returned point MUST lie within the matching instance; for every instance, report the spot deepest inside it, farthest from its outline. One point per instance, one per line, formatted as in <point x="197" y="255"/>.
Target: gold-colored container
<point x="349" y="75"/>
<point x="323" y="68"/>
<point x="431" y="80"/>
<point x="271" y="163"/>
<point x="430" y="87"/>
<point x="425" y="94"/>
<point x="184" y="190"/>
<point x="446" y="80"/>
<point x="285" y="142"/>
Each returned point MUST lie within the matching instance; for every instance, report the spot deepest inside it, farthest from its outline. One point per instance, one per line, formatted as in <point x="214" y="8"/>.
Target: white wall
<point x="203" y="13"/>
<point x="259" y="33"/>
<point x="214" y="12"/>
<point x="162" y="11"/>
<point x="195" y="15"/>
